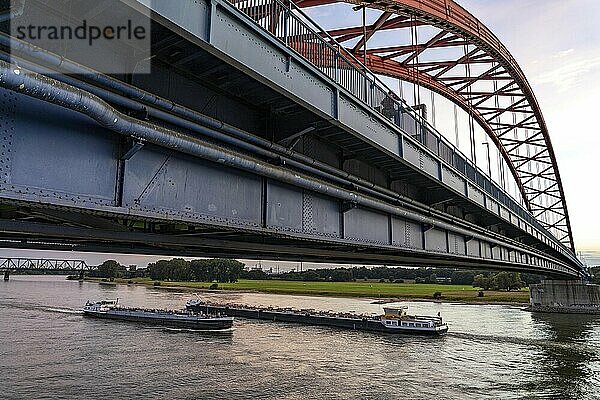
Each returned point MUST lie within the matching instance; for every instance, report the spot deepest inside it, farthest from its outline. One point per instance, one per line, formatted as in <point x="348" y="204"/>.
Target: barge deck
<point x="109" y="309"/>
<point x="336" y="320"/>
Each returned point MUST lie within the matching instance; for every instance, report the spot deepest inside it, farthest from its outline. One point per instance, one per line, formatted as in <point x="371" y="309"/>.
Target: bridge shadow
<point x="564" y="362"/>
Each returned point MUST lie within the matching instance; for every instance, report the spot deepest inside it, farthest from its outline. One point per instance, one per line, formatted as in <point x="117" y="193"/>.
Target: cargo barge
<point x="109" y="309"/>
<point x="394" y="319"/>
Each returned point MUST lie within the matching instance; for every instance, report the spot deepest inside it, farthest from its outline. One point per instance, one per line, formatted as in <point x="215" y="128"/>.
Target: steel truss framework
<point x="497" y="96"/>
<point x="43" y="264"/>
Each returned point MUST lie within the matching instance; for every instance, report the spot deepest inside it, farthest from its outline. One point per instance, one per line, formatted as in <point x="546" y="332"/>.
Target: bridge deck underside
<point x="72" y="188"/>
<point x="206" y="241"/>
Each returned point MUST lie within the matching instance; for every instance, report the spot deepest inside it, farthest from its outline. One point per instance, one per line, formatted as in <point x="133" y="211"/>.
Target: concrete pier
<point x="6" y="275"/>
<point x="565" y="297"/>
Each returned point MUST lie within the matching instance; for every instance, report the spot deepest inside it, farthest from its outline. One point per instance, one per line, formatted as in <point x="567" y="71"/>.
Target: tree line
<point x="228" y="270"/>
<point x="596" y="275"/>
<point x="389" y="274"/>
<point x="485" y="280"/>
<point x="500" y="281"/>
<point x="176" y="269"/>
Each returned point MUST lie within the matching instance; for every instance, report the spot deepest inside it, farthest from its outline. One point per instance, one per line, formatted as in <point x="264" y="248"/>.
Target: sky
<point x="557" y="44"/>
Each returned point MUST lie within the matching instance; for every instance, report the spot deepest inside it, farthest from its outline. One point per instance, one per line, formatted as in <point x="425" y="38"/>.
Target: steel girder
<point x="498" y="98"/>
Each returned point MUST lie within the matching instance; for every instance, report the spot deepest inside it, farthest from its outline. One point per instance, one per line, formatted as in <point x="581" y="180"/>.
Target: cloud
<point x="569" y="74"/>
<point x="564" y="53"/>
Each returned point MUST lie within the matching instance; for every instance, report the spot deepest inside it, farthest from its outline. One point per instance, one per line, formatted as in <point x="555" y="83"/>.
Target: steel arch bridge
<point x="499" y="98"/>
<point x="325" y="162"/>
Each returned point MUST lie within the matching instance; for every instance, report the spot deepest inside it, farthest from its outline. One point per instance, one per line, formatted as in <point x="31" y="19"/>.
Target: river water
<point x="49" y="350"/>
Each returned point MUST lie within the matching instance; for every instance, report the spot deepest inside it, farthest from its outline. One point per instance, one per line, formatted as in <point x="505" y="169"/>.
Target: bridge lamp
<point x="487" y="146"/>
<point x="363" y="7"/>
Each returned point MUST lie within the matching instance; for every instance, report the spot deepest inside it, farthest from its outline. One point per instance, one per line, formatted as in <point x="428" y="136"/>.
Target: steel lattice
<point x="499" y="99"/>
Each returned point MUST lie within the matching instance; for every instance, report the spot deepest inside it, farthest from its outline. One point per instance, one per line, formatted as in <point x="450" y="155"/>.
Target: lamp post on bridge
<point x="487" y="146"/>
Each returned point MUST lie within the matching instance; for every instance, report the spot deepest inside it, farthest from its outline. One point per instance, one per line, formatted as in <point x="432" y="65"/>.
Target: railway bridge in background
<point x="261" y="135"/>
<point x="8" y="265"/>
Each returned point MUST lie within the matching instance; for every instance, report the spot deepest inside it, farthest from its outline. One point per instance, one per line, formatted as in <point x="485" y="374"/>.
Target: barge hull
<point x="209" y="324"/>
<point x="307" y="319"/>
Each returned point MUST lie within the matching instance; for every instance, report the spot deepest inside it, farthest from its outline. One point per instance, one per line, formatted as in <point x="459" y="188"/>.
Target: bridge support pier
<point x="559" y="296"/>
<point x="6" y="275"/>
<point x="81" y="275"/>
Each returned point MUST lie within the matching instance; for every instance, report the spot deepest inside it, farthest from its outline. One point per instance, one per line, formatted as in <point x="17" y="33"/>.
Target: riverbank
<point x="399" y="291"/>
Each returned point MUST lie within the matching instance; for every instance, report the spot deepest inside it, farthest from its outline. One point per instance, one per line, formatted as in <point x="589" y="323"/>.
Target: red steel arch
<point x="499" y="97"/>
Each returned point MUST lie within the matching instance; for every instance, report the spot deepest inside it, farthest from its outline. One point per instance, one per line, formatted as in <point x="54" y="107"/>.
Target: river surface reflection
<point x="48" y="350"/>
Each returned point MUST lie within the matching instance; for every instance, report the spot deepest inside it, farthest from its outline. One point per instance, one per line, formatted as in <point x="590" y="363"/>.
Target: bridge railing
<point x="292" y="26"/>
<point x="297" y="30"/>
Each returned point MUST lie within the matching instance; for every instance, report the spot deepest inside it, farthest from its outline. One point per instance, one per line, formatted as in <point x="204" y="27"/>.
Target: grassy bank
<point x="355" y="289"/>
